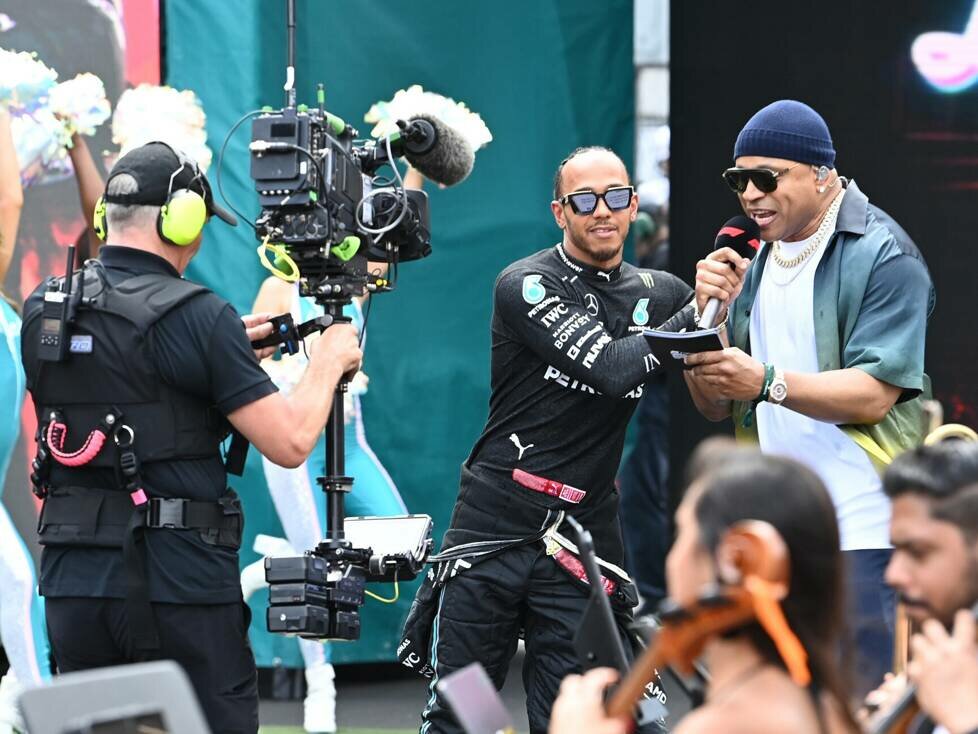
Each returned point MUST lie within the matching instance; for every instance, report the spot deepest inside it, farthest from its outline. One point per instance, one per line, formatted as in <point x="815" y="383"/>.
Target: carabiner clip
<point x="128" y="442"/>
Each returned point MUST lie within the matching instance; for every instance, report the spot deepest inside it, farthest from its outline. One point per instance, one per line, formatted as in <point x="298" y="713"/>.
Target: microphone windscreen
<point x="451" y="158"/>
<point x="741" y="234"/>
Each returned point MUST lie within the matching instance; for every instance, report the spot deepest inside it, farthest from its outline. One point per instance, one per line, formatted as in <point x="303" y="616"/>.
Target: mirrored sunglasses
<point x="585" y="202"/>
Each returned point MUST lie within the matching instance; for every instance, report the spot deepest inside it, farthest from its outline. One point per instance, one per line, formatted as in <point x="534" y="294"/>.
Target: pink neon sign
<point x="949" y="61"/>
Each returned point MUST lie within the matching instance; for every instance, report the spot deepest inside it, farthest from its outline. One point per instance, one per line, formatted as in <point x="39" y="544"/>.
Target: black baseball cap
<point x="153" y="166"/>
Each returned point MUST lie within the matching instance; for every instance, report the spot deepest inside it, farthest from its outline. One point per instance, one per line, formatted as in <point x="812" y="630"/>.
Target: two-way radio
<point x="57" y="313"/>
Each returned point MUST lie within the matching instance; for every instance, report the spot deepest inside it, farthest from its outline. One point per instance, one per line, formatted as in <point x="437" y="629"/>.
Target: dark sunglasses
<point x="585" y="202"/>
<point x="764" y="179"/>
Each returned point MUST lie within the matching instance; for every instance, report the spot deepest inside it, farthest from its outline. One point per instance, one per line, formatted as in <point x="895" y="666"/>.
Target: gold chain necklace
<point x="823" y="231"/>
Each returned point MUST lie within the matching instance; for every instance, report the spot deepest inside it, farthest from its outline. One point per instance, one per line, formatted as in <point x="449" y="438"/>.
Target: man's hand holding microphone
<point x="720" y="275"/>
<point x="730" y="374"/>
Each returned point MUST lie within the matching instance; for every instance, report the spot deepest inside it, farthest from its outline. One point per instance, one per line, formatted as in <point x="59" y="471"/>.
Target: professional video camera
<point x="326" y="213"/>
<point x="321" y="197"/>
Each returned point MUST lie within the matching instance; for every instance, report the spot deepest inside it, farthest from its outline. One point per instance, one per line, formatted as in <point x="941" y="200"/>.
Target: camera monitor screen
<point x="400" y="534"/>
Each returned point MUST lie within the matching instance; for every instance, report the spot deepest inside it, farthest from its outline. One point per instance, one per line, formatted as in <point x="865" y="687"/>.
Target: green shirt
<point x="873" y="295"/>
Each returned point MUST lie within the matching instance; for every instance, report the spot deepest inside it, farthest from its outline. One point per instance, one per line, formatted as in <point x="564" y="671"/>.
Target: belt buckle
<point x="550" y="542"/>
<point x="167" y="513"/>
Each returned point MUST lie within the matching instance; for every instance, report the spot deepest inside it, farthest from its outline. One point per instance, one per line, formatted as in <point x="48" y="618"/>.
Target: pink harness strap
<point x="56" y="435"/>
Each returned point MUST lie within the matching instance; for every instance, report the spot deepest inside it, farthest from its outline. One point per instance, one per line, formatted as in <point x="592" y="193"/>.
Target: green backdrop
<point x="546" y="76"/>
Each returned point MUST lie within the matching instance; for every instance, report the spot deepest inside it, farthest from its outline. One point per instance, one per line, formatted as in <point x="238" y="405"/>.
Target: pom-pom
<point x="414" y="101"/>
<point x="38" y="142"/>
<point x="25" y="82"/>
<point x="151" y="112"/>
<point x="45" y="114"/>
<point x="81" y="103"/>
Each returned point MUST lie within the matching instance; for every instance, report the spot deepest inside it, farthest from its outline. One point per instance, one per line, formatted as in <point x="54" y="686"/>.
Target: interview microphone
<point x="435" y="149"/>
<point x="742" y="235"/>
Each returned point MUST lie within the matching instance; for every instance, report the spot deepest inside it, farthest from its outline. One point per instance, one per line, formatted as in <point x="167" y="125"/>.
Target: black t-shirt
<point x="568" y="366"/>
<point x="201" y="348"/>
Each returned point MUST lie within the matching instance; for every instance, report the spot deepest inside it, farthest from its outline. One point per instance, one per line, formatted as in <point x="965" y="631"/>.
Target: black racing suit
<point x="568" y="364"/>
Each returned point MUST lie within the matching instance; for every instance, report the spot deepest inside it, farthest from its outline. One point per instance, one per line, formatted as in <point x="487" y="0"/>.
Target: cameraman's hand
<point x="338" y="345"/>
<point x="257" y="327"/>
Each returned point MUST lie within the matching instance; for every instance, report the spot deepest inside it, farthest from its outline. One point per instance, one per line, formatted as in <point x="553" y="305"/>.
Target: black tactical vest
<point x="111" y="368"/>
<point x="110" y="371"/>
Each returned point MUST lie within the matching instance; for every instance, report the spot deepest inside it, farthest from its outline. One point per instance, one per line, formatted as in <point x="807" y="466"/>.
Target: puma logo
<point x="516" y="442"/>
<point x="606" y="276"/>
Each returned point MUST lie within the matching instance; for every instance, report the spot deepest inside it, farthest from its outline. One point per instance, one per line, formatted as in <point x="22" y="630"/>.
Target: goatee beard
<point x="599" y="255"/>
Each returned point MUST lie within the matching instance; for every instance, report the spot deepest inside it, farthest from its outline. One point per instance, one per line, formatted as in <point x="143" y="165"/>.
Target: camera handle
<point x="288" y="335"/>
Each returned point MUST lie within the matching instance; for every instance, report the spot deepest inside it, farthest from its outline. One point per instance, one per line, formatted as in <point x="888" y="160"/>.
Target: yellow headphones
<point x="99" y="223"/>
<point x="182" y="216"/>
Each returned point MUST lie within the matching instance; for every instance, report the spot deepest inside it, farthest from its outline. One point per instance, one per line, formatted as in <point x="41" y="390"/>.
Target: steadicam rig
<point x="326" y="213"/>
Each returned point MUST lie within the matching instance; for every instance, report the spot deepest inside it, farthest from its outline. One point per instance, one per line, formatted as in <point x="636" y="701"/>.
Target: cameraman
<point x="139" y="529"/>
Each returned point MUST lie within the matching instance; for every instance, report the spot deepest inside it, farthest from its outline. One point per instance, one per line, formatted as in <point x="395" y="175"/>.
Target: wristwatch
<point x="778" y="391"/>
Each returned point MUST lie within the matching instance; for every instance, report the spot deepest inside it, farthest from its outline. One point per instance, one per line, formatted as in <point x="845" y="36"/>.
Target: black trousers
<point x="209" y="641"/>
<point x="481" y="612"/>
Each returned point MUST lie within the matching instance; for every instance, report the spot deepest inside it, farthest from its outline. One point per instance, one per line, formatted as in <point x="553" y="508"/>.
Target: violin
<point x="899" y="718"/>
<point x="754" y="578"/>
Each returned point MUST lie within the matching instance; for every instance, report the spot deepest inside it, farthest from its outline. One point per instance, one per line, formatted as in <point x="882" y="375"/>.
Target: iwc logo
<point x="640" y="316"/>
<point x="533" y="292"/>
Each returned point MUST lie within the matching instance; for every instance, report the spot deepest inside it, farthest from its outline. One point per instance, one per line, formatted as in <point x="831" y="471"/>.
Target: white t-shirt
<point x="782" y="332"/>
